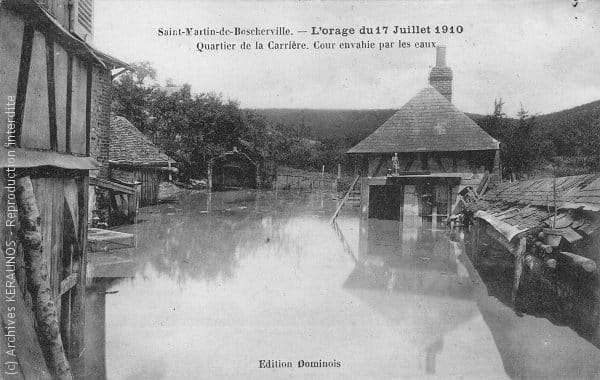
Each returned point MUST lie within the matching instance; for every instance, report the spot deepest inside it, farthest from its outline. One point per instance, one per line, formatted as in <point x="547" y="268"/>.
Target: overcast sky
<point x="544" y="54"/>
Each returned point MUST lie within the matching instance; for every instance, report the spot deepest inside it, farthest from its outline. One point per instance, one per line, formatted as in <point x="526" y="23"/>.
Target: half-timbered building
<point x="55" y="82"/>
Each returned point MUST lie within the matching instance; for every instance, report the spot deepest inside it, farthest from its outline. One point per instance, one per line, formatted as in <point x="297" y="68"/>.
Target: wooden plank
<point x="56" y="273"/>
<point x="23" y="79"/>
<point x="57" y="234"/>
<point x="78" y="292"/>
<point x="88" y="110"/>
<point x="68" y="283"/>
<point x="341" y="204"/>
<point x="579" y="261"/>
<point x="568" y="233"/>
<point x="71" y="201"/>
<point x="70" y="241"/>
<point x="69" y="103"/>
<point x="112" y="185"/>
<point x="51" y="94"/>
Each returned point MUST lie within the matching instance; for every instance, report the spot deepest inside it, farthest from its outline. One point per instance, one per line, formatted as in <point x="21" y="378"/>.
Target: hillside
<point x="324" y="124"/>
<point x="560" y="143"/>
<point x="564" y="128"/>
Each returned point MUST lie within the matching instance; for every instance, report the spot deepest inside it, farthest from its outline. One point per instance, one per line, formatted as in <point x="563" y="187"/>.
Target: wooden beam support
<point x="80" y="263"/>
<point x="23" y="79"/>
<point x="68" y="283"/>
<point x="69" y="104"/>
<point x="88" y="110"/>
<point x="381" y="161"/>
<point x="51" y="93"/>
<point x="112" y="185"/>
<point x="438" y="160"/>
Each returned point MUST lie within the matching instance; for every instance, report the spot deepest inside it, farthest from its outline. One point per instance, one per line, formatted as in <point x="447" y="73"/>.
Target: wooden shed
<point x="233" y="169"/>
<point x="424" y="155"/>
<point x="48" y="75"/>
<point x="134" y="158"/>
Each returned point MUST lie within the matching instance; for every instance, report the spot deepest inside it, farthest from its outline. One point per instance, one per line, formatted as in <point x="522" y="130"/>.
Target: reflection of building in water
<point x="421" y="281"/>
<point x="96" y="327"/>
<point x="439" y="151"/>
<point x="95" y="339"/>
<point x="404" y="271"/>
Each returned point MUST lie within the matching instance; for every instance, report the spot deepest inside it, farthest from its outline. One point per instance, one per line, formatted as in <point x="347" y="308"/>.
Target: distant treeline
<point x="562" y="143"/>
<point x="194" y="127"/>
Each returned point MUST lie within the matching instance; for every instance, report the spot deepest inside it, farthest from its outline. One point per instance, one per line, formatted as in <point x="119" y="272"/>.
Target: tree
<point x="130" y="94"/>
<point x="591" y="145"/>
<point x="193" y="128"/>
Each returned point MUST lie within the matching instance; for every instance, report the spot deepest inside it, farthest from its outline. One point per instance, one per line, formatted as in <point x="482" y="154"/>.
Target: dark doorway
<point x="385" y="202"/>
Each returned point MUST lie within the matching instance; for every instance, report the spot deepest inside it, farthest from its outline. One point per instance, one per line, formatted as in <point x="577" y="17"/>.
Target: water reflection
<point x="224" y="281"/>
<point x="413" y="275"/>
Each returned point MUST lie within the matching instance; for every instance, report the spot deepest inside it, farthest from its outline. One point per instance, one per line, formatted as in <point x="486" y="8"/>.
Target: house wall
<point x="11" y="30"/>
<point x="435" y="162"/>
<point x="45" y="93"/>
<point x="472" y="165"/>
<point x="47" y="102"/>
<point x="36" y="126"/>
<point x="100" y="119"/>
<point x="150" y="179"/>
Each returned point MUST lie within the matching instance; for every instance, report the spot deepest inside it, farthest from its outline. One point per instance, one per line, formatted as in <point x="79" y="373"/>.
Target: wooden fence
<point x="304" y="183"/>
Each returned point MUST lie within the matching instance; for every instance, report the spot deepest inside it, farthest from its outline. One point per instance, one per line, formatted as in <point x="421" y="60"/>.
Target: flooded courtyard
<point x="223" y="284"/>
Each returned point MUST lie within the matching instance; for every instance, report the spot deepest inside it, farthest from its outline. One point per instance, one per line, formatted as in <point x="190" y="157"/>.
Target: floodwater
<point x="222" y="282"/>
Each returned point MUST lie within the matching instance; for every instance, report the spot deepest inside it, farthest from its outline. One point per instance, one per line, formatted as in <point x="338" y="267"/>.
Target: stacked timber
<point x="552" y="255"/>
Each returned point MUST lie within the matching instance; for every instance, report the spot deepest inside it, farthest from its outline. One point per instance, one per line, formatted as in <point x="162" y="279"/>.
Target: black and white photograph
<point x="299" y="189"/>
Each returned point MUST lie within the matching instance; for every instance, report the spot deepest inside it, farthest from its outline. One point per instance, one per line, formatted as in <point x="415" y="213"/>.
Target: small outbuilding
<point x="135" y="159"/>
<point x="236" y="169"/>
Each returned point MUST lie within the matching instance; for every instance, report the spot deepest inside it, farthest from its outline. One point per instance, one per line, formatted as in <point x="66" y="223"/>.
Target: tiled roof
<point x="529" y="204"/>
<point x="427" y="123"/>
<point x="580" y="191"/>
<point x="129" y="146"/>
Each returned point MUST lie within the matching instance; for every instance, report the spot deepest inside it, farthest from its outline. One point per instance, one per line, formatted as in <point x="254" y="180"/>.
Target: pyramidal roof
<point x="427" y="123"/>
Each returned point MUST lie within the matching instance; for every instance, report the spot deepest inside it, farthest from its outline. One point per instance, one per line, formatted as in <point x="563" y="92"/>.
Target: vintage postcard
<point x="305" y="189"/>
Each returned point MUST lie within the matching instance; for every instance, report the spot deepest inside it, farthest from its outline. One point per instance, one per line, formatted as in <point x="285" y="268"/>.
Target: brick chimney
<point x="440" y="76"/>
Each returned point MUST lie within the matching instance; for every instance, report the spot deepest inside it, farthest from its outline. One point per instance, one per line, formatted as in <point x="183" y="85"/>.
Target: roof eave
<point x="417" y="151"/>
<point x="44" y="20"/>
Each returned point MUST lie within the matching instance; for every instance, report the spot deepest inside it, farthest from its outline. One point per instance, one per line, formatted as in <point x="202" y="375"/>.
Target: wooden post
<point x="79" y="265"/>
<point x="519" y="253"/>
<point x="258" y="179"/>
<point x="210" y="176"/>
<point x="554" y="196"/>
